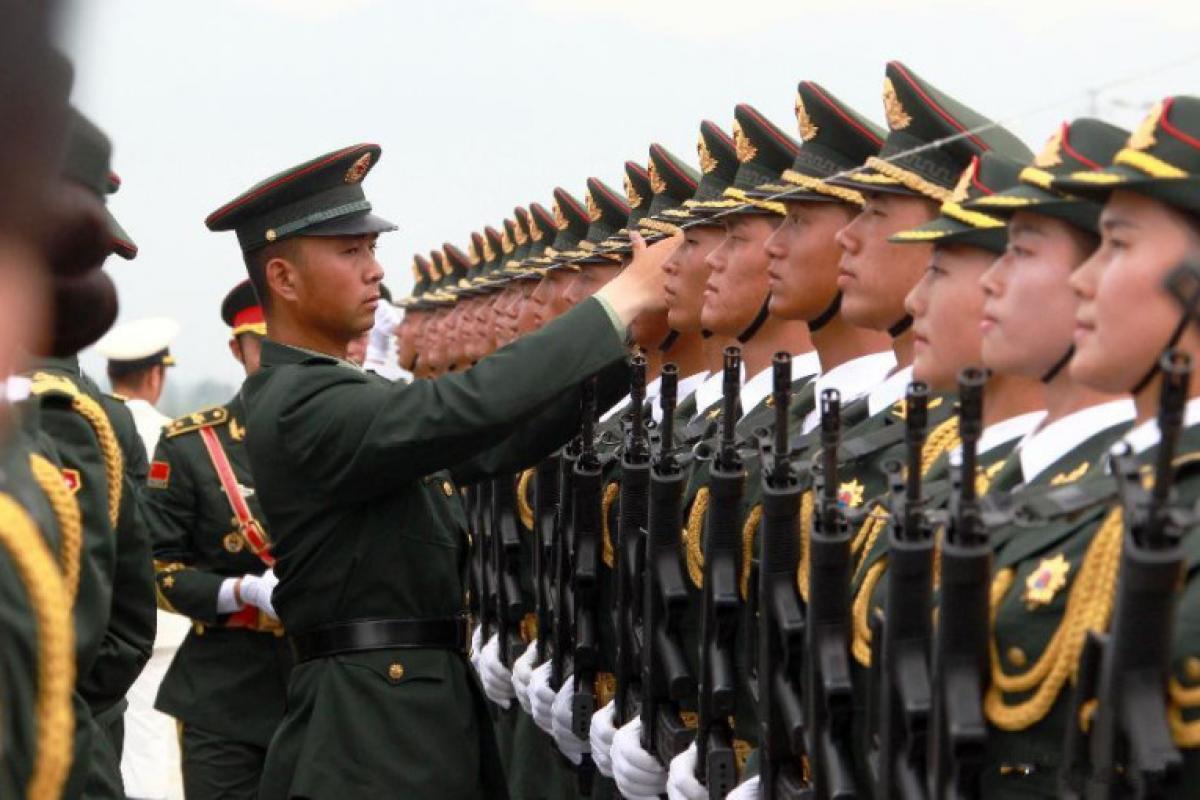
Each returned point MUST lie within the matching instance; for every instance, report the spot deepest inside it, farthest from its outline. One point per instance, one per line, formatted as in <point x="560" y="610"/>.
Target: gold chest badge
<point x="850" y="494"/>
<point x="1046" y="581"/>
<point x="233" y="543"/>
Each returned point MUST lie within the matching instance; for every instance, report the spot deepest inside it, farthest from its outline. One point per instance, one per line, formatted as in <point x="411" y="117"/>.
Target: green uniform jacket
<point x="1023" y="760"/>
<point x="347" y="471"/>
<point x="230" y="681"/>
<point x="25" y="556"/>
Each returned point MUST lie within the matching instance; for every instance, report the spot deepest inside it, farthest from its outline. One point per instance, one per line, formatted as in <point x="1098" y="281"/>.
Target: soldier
<point x="1047" y="575"/>
<point x="226" y="686"/>
<point x="36" y="632"/>
<point x="138" y="356"/>
<point x="804" y="252"/>
<point x="391" y="646"/>
<point x="104" y="462"/>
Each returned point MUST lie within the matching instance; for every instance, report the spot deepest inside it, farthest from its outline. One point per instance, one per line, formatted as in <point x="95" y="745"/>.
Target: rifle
<point x="960" y="662"/>
<point x="629" y="550"/>
<point x="482" y="515"/>
<point x="667" y="683"/>
<point x="1128" y="750"/>
<point x="828" y="689"/>
<point x="716" y="766"/>
<point x="901" y="637"/>
<point x="506" y="553"/>
<point x="545" y="504"/>
<point x="585" y="591"/>
<point x="781" y="624"/>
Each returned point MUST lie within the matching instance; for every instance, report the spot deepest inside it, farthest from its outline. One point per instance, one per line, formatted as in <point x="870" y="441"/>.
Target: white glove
<point x="522" y="671"/>
<point x="681" y="777"/>
<point x="746" y="790"/>
<point x="600" y="736"/>
<point x="256" y="591"/>
<point x="476" y="646"/>
<point x="638" y="774"/>
<point x="541" y="698"/>
<point x="571" y="745"/>
<point x="496" y="679"/>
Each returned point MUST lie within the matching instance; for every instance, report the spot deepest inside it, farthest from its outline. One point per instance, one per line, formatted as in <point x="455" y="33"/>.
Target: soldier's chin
<point x="85" y="307"/>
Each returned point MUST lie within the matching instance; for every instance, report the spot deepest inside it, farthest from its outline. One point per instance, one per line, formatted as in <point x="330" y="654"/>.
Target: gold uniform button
<point x="448" y="488"/>
<point x="1191" y="669"/>
<point x="396" y="671"/>
<point x="1016" y="657"/>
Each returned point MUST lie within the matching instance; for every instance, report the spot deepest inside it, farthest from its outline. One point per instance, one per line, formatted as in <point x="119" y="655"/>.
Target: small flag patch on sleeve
<point x="159" y="475"/>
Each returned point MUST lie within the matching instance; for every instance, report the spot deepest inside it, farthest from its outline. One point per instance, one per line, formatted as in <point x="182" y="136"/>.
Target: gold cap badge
<point x="358" y="169"/>
<point x="519" y="231"/>
<point x="488" y="253"/>
<point x="808" y="128"/>
<point x="898" y="119"/>
<point x="1051" y="155"/>
<point x="505" y="242"/>
<point x="656" y="182"/>
<point x="473" y="253"/>
<point x="707" y="162"/>
<point x="745" y="149"/>
<point x="1143" y="137"/>
<point x="560" y="219"/>
<point x="631" y="194"/>
<point x="964" y="182"/>
<point x="593" y="209"/>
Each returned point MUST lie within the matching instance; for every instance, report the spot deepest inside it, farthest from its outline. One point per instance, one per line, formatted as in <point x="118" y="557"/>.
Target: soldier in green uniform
<point x="227" y="684"/>
<point x="37" y="651"/>
<point x="104" y="463"/>
<point x="351" y="473"/>
<point x="1052" y="580"/>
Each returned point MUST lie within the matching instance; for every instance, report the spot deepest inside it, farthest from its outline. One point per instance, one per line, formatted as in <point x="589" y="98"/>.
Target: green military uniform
<point x="227" y="685"/>
<point x="40" y="540"/>
<point x="1048" y="573"/>
<point x="95" y="442"/>
<point x="350" y="471"/>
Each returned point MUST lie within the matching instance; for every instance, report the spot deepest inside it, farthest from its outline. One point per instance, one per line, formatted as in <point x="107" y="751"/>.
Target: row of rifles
<point x="924" y="732"/>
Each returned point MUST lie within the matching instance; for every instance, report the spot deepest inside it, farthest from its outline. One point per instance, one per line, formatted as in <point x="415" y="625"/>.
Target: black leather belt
<point x="445" y="633"/>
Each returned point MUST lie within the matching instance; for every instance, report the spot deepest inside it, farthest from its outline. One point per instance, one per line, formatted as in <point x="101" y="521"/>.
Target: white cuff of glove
<point x="600" y="736"/>
<point x="226" y="598"/>
<point x="256" y="591"/>
<point x="476" y="646"/>
<point x="681" y="777"/>
<point x="497" y="681"/>
<point x="636" y="772"/>
<point x="746" y="790"/>
<point x="571" y="745"/>
<point x="541" y="698"/>
<point x="522" y="671"/>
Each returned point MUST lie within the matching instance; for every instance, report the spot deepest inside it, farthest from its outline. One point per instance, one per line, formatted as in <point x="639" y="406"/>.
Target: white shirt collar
<point x="755" y="390"/>
<point x="689" y="385"/>
<point x="852" y="380"/>
<point x="1045" y="446"/>
<point x="1008" y="429"/>
<point x="1145" y="436"/>
<point x="890" y="392"/>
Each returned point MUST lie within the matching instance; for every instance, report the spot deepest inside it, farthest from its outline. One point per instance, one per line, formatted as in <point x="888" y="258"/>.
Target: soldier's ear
<point x="280" y="273"/>
<point x="235" y="348"/>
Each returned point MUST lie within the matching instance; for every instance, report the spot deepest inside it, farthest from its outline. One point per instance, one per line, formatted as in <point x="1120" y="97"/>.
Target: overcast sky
<point x="483" y="105"/>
